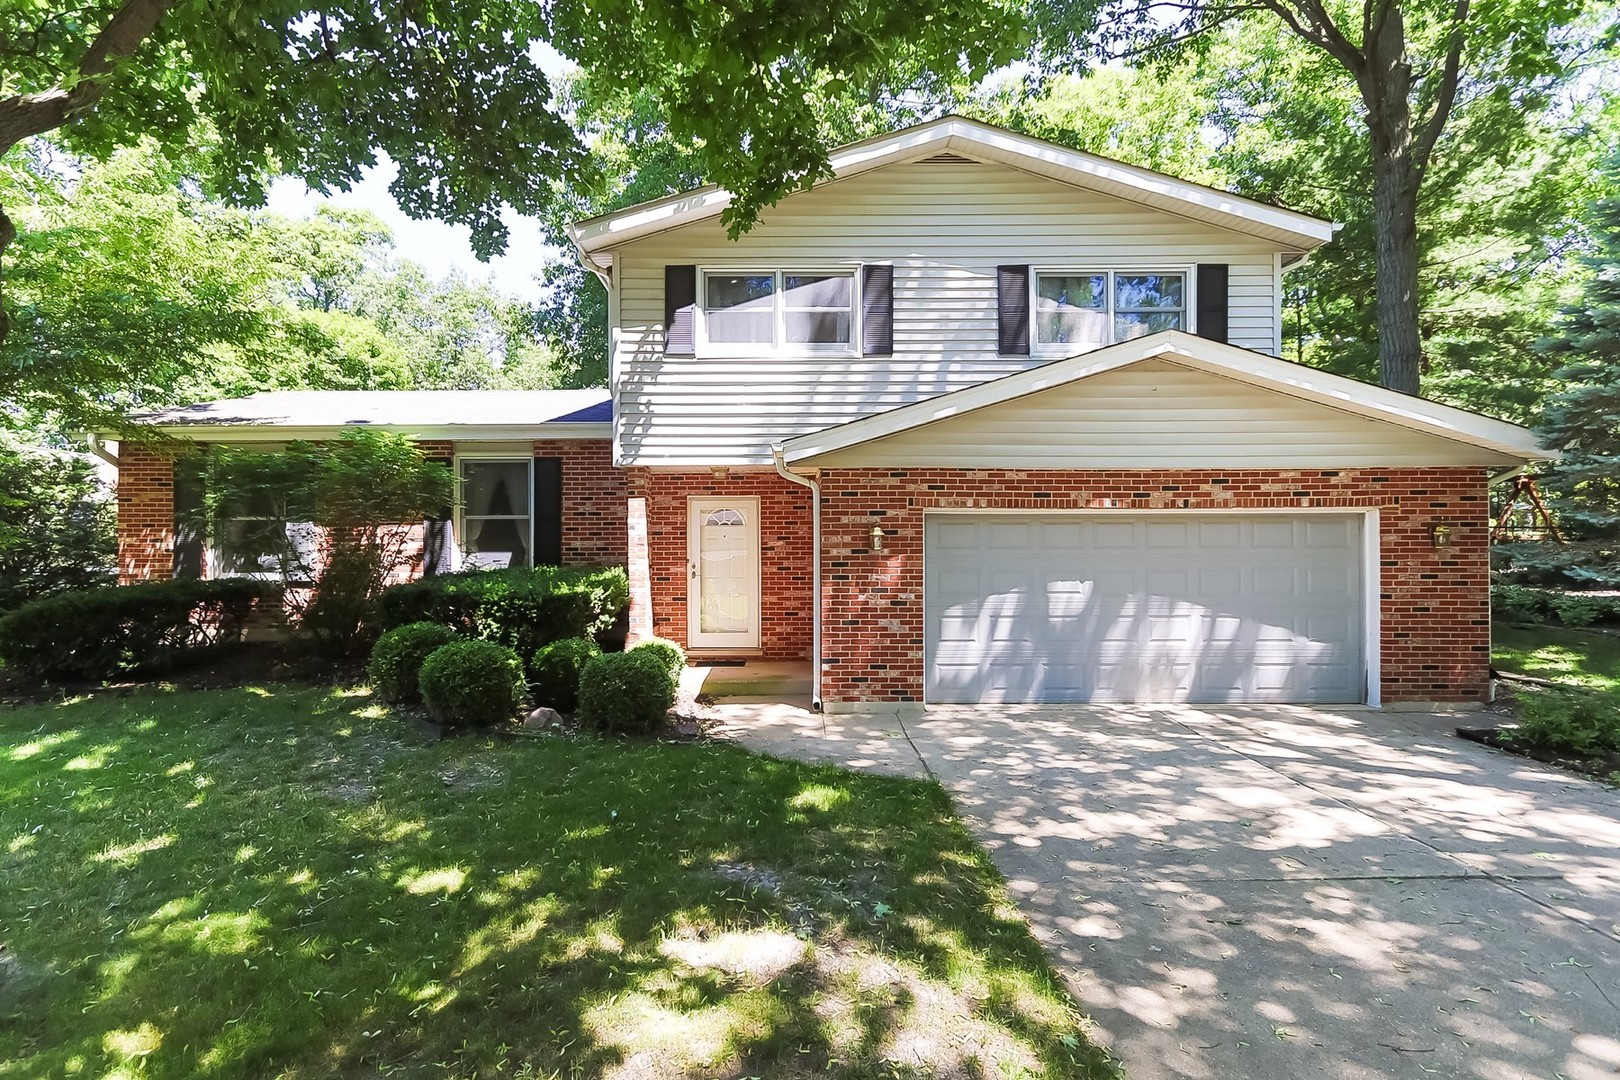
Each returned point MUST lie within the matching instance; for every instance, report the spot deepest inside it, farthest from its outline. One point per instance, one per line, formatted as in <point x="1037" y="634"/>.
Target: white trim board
<point x="282" y="433"/>
<point x="1257" y="369"/>
<point x="981" y="142"/>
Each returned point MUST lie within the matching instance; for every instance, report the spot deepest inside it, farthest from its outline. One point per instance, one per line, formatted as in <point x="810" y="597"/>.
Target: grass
<point x="293" y="882"/>
<point x="1587" y="658"/>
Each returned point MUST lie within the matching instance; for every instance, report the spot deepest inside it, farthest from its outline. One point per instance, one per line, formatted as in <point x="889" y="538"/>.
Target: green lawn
<point x="285" y="881"/>
<point x="1585" y="657"/>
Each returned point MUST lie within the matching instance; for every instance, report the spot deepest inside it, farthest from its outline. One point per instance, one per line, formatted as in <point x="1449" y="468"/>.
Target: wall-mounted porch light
<point x="877" y="538"/>
<point x="720" y="472"/>
<point x="1440" y="534"/>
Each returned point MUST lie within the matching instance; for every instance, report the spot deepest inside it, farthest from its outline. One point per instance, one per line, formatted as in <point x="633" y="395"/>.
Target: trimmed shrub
<point x="556" y="669"/>
<point x="1582" y="723"/>
<point x="671" y="655"/>
<point x="97" y="634"/>
<point x="625" y="692"/>
<point x="521" y="609"/>
<point x="397" y="659"/>
<point x="472" y="684"/>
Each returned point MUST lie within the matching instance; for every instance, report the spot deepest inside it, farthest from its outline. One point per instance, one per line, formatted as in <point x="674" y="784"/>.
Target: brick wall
<point x="593" y="501"/>
<point x="145" y="514"/>
<point x="784" y="543"/>
<point x="593" y="506"/>
<point x="1436" y="609"/>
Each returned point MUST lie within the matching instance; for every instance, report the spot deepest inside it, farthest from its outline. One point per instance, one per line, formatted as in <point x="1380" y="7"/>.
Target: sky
<point x="437" y="245"/>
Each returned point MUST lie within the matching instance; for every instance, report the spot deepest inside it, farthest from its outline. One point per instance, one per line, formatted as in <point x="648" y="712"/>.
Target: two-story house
<point x="982" y="419"/>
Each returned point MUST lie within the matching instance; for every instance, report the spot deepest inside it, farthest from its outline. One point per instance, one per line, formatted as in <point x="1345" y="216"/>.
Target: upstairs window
<point x="1080" y="310"/>
<point x="780" y="310"/>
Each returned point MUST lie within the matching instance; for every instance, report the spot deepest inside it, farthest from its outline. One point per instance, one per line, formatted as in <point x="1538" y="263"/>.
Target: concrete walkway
<point x="1279" y="893"/>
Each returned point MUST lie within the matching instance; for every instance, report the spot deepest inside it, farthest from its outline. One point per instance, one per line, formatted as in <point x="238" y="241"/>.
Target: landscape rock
<point x="543" y="718"/>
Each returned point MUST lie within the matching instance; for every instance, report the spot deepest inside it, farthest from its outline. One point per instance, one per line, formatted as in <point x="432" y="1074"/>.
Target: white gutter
<point x="815" y="570"/>
<point x="99" y="448"/>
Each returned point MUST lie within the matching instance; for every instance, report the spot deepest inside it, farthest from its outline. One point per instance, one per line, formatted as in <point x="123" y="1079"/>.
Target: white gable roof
<point x="988" y="143"/>
<point x="1491" y="441"/>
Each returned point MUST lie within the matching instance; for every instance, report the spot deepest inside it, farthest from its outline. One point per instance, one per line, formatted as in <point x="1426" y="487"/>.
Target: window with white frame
<point x="1076" y="310"/>
<point x="497" y="526"/>
<point x="789" y="310"/>
<point x="255" y="539"/>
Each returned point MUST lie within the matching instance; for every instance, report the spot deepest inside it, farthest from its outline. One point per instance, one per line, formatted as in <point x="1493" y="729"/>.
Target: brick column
<point x="145" y="514"/>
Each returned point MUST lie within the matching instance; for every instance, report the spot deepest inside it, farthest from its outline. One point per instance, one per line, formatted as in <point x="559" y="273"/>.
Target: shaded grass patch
<point x="292" y="881"/>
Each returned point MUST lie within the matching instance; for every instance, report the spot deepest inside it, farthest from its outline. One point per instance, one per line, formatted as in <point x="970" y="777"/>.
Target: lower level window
<point x="256" y="540"/>
<point x="497" y="528"/>
<point x="1080" y="310"/>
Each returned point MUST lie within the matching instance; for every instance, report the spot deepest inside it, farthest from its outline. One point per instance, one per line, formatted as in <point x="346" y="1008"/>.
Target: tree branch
<point x="23" y="116"/>
<point x="1446" y="96"/>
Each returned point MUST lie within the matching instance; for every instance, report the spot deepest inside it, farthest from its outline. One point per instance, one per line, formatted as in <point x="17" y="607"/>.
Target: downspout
<point x="815" y="570"/>
<point x="99" y="448"/>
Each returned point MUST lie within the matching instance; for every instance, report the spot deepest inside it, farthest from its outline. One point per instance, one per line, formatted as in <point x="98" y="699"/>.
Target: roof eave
<point x="269" y="432"/>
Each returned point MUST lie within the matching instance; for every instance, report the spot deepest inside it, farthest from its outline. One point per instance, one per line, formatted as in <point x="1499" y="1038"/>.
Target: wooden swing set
<point x="1524" y="516"/>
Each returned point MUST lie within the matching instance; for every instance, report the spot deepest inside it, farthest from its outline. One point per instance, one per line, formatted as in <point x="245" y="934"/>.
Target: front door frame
<point x="697" y="507"/>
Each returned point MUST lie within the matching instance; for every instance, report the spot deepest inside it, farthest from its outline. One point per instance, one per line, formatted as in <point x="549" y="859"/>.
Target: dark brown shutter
<point x="877" y="309"/>
<point x="1012" y="310"/>
<point x="548" y="513"/>
<point x="189" y="524"/>
<point x="680" y="304"/>
<point x="1212" y="301"/>
<point x="439" y="543"/>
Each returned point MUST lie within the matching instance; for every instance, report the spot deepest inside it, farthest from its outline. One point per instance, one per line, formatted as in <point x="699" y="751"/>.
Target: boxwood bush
<point x="671" y="655"/>
<point x="555" y="671"/>
<point x="397" y="659"/>
<point x="472" y="684"/>
<point x="96" y="634"/>
<point x="522" y="609"/>
<point x="625" y="692"/>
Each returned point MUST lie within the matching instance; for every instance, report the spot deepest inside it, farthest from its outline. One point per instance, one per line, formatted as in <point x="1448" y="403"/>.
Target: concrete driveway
<point x="1279" y="893"/>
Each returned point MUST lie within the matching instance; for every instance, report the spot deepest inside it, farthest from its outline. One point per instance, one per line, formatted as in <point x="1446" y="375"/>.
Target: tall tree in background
<point x="1583" y="418"/>
<point x="1408" y="60"/>
<point x="453" y="90"/>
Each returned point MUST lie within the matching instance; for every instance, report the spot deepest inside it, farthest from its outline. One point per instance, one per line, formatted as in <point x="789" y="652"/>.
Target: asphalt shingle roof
<point x="391" y="408"/>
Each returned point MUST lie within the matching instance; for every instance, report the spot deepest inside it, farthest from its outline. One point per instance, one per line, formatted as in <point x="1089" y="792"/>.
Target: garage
<point x="1165" y="607"/>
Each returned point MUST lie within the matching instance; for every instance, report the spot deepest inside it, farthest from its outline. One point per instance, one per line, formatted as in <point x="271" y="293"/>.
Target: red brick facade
<point x="1435" y="624"/>
<point x="593" y="506"/>
<point x="785" y="544"/>
<point x="145" y="514"/>
<point x="593" y="501"/>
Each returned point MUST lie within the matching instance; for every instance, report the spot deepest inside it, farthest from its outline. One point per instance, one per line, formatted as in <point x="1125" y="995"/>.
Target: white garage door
<point x="1200" y="608"/>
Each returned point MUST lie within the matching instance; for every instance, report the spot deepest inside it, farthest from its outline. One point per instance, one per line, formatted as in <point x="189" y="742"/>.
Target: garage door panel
<point x="1217" y="608"/>
<point x="1115" y="536"/>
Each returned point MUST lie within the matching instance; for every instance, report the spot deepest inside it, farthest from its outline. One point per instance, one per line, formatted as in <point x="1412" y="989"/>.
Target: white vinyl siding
<point x="945" y="227"/>
<point x="1157" y="415"/>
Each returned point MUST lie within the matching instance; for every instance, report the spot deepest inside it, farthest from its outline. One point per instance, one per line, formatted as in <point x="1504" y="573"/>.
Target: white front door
<point x="722" y="551"/>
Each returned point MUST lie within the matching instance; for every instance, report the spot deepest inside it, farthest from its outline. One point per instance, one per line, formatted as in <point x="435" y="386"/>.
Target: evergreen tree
<point x="1583" y="418"/>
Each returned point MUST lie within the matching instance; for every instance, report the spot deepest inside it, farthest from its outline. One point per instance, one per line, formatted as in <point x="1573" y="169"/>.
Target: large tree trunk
<point x="1400" y="346"/>
<point x="8" y="233"/>
<point x="1385" y="81"/>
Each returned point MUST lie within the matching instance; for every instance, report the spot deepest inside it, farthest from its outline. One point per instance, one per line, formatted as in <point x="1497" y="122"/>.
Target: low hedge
<point x="626" y="692"/>
<point x="1523" y="603"/>
<point x="472" y="684"/>
<point x="556" y="669"/>
<point x="521" y="609"/>
<point x="397" y="658"/>
<point x="98" y="634"/>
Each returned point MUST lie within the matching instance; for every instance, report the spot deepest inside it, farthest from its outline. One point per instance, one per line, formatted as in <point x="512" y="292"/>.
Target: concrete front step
<point x="776" y="679"/>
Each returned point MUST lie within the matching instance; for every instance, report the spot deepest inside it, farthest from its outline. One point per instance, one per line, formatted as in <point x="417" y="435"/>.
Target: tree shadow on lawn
<point x="292" y="881"/>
